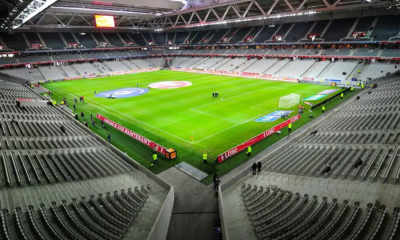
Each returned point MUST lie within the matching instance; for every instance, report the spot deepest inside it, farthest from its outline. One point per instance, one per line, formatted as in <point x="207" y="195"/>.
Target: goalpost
<point x="289" y="100"/>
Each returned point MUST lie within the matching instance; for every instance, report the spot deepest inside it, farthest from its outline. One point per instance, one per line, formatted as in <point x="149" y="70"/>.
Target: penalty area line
<point x="100" y="107"/>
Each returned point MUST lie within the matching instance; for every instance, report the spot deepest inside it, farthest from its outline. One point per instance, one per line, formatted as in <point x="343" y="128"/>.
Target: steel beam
<point x="259" y="7"/>
<point x="226" y="12"/>
<point x="301" y="5"/>
<point x="272" y="7"/>
<point x="290" y="6"/>
<point x="247" y="9"/>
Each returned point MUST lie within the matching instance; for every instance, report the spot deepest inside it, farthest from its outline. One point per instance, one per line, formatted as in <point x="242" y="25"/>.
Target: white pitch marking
<point x="128" y="116"/>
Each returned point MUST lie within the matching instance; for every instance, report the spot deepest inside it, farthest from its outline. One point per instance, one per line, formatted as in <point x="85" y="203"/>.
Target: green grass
<point x="171" y="116"/>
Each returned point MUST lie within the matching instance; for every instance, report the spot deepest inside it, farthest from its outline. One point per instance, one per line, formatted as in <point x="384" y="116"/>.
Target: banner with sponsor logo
<point x="231" y="152"/>
<point x="134" y="135"/>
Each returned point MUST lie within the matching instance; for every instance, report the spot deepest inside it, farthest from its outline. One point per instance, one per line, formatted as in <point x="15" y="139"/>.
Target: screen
<point x="104" y="21"/>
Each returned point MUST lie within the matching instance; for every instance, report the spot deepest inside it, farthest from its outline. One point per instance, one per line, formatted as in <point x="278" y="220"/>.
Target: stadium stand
<point x="265" y="34"/>
<point x="124" y="37"/>
<point x="284" y="28"/>
<point x="239" y="35"/>
<point x="276" y="67"/>
<point x="277" y="204"/>
<point x="336" y="52"/>
<point x="338" y="29"/>
<point x="53" y="40"/>
<point x="217" y="36"/>
<point x="319" y="27"/>
<point x="86" y="68"/>
<point x="299" y="31"/>
<point x="148" y="37"/>
<point x="62" y="57"/>
<point x="254" y="31"/>
<point x="390" y="53"/>
<point x="113" y="39"/>
<point x="365" y="52"/>
<point x="340" y="70"/>
<point x="51" y="72"/>
<point x="232" y="65"/>
<point x="69" y="37"/>
<point x="70" y="185"/>
<point x="116" y="66"/>
<point x="385" y="28"/>
<point x="196" y="38"/>
<point x="260" y="66"/>
<point x="181" y="37"/>
<point x="296" y="68"/>
<point x="316" y="69"/>
<point x="86" y="40"/>
<point x="138" y="39"/>
<point x="34" y="58"/>
<point x="14" y="41"/>
<point x="117" y="54"/>
<point x="364" y="24"/>
<point x="160" y="38"/>
<point x="98" y="37"/>
<point x="8" y="60"/>
<point x="70" y="71"/>
<point x="33" y="38"/>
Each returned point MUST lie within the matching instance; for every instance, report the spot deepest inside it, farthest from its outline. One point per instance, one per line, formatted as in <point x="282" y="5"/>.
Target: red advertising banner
<point x="134" y="135"/>
<point x="231" y="152"/>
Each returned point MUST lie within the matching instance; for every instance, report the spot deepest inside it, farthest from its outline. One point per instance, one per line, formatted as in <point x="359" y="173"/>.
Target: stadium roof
<point x="170" y="14"/>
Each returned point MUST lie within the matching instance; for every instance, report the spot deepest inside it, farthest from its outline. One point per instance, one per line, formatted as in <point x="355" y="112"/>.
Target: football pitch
<point x="188" y="119"/>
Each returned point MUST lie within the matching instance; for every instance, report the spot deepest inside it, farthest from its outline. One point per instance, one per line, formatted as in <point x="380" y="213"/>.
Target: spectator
<point x="82" y="115"/>
<point x="327" y="169"/>
<point x="86" y="124"/>
<point x="216" y="184"/>
<point x="109" y="137"/>
<point x="92" y="122"/>
<point x="259" y="166"/>
<point x="74" y="107"/>
<point x="102" y="123"/>
<point x="254" y="167"/>
<point x="314" y="132"/>
<point x="215" y="177"/>
<point x="358" y="163"/>
<point x="76" y="117"/>
<point x="91" y="116"/>
<point x="62" y="129"/>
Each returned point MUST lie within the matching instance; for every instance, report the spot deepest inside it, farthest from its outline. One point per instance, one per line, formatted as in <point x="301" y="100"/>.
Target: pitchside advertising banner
<point x="134" y="135"/>
<point x="231" y="152"/>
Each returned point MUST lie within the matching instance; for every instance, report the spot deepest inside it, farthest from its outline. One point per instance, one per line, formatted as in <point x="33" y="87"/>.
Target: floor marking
<point x="94" y="103"/>
<point x="193" y="109"/>
<point x="227" y="119"/>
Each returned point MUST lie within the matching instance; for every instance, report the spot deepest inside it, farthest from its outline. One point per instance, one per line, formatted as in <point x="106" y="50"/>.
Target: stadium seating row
<point x="41" y="167"/>
<point x="333" y="30"/>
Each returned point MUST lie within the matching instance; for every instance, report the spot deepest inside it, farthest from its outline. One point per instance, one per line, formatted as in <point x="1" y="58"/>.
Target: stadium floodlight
<point x="25" y="10"/>
<point x="289" y="101"/>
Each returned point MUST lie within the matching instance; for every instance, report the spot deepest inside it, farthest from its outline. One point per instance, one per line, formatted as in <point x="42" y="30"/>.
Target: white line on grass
<point x="227" y="119"/>
<point x="94" y="103"/>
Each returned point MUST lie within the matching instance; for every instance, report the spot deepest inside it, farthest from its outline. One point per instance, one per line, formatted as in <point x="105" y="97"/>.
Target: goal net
<point x="289" y="100"/>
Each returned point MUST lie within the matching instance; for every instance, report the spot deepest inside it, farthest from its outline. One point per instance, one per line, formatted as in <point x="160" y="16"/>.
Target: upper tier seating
<point x="53" y="40"/>
<point x="196" y="38"/>
<point x="298" y="31"/>
<point x="33" y="38"/>
<point x="365" y="52"/>
<point x="181" y="37"/>
<point x="239" y="35"/>
<point x="265" y="34"/>
<point x="114" y="39"/>
<point x="319" y="27"/>
<point x="69" y="37"/>
<point x="338" y="29"/>
<point x="86" y="40"/>
<point x="14" y="41"/>
<point x="386" y="27"/>
<point x="160" y="38"/>
<point x="217" y="36"/>
<point x="364" y="24"/>
<point x="138" y="39"/>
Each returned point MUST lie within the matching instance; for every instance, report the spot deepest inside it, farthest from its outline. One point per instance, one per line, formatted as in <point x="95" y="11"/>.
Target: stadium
<point x="199" y="119"/>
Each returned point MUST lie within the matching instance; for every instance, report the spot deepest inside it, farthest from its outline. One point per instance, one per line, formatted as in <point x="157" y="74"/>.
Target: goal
<point x="289" y="100"/>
